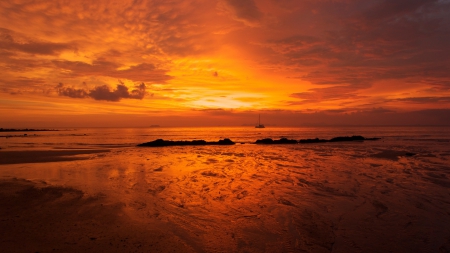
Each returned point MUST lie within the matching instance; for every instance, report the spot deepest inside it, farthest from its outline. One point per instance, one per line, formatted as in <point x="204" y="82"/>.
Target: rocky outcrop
<point x="165" y="143"/>
<point x="339" y="139"/>
<point x="280" y="141"/>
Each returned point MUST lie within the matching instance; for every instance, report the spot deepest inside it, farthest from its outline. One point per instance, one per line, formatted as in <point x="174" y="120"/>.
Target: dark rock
<point x="339" y="139"/>
<point x="225" y="142"/>
<point x="264" y="141"/>
<point x="347" y="138"/>
<point x="164" y="143"/>
<point x="316" y="140"/>
<point x="280" y="141"/>
<point x="194" y="142"/>
<point x="286" y="141"/>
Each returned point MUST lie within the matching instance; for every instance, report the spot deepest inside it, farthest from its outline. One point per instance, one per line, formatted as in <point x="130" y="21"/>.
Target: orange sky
<point x="222" y="62"/>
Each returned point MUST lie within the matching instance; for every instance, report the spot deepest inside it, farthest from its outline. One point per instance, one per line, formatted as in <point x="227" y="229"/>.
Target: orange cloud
<point x="245" y="11"/>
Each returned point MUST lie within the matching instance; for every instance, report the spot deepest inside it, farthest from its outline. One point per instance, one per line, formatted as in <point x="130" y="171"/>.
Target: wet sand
<point x="356" y="197"/>
<point x="36" y="217"/>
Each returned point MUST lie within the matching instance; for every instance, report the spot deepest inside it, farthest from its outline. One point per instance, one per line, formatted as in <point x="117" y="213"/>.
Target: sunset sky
<point x="222" y="62"/>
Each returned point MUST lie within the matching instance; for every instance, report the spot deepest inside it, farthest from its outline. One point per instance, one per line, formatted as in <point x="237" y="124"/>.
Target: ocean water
<point x="390" y="195"/>
<point x="128" y="137"/>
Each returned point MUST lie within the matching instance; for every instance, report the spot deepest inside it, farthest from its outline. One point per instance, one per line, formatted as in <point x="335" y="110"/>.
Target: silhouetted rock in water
<point x="371" y="139"/>
<point x="316" y="140"/>
<point x="286" y="141"/>
<point x="280" y="141"/>
<point x="347" y="138"/>
<point x="225" y="142"/>
<point x="163" y="143"/>
<point x="264" y="141"/>
<point x="339" y="139"/>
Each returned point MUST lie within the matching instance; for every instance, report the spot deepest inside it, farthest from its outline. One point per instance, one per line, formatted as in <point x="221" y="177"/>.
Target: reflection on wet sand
<point x="246" y="198"/>
<point x="36" y="217"/>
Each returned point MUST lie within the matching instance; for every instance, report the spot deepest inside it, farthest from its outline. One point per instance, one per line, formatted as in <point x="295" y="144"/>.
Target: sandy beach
<point x="357" y="197"/>
<point x="36" y="217"/>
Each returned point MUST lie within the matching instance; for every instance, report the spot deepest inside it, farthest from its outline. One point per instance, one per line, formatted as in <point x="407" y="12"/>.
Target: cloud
<point x="125" y="22"/>
<point x="358" y="45"/>
<point x="387" y="9"/>
<point x="71" y="92"/>
<point x="71" y="42"/>
<point x="10" y="41"/>
<point x="103" y="92"/>
<point x="424" y="100"/>
<point x="318" y="95"/>
<point x="245" y="11"/>
<point x="144" y="72"/>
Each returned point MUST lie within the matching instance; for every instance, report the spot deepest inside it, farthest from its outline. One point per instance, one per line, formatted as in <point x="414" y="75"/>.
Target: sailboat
<point x="259" y="123"/>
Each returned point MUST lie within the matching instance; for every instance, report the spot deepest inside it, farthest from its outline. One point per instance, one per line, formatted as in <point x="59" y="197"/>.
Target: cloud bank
<point x="103" y="92"/>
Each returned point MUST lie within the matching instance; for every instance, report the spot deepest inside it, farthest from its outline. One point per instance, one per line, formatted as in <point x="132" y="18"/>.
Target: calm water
<point x="127" y="137"/>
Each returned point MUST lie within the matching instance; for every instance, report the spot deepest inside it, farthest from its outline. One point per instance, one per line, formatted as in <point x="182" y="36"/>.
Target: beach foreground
<point x="357" y="197"/>
<point x="36" y="217"/>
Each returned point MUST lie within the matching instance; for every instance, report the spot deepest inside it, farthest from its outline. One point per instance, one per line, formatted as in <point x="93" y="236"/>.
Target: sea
<point x="386" y="195"/>
<point x="129" y="137"/>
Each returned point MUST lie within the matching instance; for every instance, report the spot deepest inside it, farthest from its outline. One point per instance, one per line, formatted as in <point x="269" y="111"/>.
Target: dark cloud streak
<point x="143" y="72"/>
<point x="244" y="10"/>
<point x="103" y="92"/>
<point x="403" y="41"/>
<point x="71" y="92"/>
<point x="9" y="42"/>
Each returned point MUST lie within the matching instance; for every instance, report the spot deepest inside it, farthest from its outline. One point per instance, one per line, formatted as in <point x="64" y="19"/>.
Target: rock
<point x="280" y="141"/>
<point x="347" y="138"/>
<point x="264" y="141"/>
<point x="164" y="143"/>
<point x="225" y="142"/>
<point x="316" y="140"/>
<point x="286" y="141"/>
<point x="339" y="139"/>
